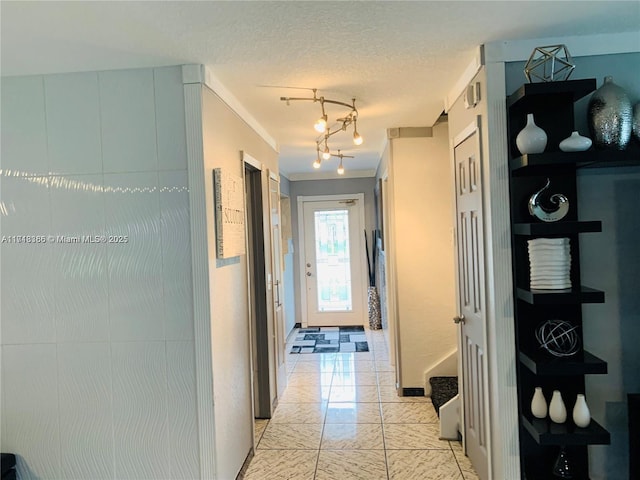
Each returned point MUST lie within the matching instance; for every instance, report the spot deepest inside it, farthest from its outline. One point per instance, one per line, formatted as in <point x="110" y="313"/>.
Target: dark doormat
<point x="330" y="340"/>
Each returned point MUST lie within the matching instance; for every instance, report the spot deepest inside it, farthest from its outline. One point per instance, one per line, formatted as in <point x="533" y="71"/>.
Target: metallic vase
<point x="610" y="116"/>
<point x="636" y="121"/>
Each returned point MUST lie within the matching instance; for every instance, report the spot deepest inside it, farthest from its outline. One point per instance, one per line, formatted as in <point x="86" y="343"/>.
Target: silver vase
<point x="610" y="116"/>
<point x="636" y="121"/>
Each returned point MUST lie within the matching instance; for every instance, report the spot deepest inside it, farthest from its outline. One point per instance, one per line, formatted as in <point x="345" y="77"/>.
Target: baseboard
<point x="245" y="465"/>
<point x="413" y="392"/>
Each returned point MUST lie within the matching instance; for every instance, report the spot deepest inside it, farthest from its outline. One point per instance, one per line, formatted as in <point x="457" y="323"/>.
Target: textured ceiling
<point x="399" y="59"/>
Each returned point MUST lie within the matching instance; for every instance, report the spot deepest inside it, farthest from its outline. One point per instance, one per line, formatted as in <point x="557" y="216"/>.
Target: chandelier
<point x="339" y="155"/>
<point x="322" y="126"/>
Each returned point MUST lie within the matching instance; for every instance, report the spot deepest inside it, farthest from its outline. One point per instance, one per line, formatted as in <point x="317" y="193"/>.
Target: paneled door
<point x="333" y="274"/>
<point x="471" y="297"/>
<point x="277" y="288"/>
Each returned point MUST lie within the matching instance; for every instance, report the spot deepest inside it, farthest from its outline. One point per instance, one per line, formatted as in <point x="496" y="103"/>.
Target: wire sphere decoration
<point x="558" y="337"/>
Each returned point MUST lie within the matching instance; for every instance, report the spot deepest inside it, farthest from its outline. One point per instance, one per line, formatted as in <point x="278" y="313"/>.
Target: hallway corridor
<point x="340" y="418"/>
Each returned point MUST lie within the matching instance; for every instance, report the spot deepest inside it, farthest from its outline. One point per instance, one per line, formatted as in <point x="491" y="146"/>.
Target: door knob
<point x="459" y="319"/>
<point x="308" y="274"/>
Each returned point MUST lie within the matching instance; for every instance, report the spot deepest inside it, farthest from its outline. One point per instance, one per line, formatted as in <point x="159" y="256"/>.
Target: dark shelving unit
<point x="555" y="228"/>
<point x="543" y="363"/>
<point x="552" y="105"/>
<point x="545" y="432"/>
<point x="572" y="90"/>
<point x="581" y="294"/>
<point x="589" y="159"/>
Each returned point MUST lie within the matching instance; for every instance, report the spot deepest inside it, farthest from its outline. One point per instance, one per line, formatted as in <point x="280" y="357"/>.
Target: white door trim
<point x="301" y="239"/>
<point x="248" y="159"/>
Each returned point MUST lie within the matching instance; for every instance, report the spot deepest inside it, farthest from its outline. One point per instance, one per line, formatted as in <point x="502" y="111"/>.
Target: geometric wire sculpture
<point x="550" y="63"/>
<point x="558" y="337"/>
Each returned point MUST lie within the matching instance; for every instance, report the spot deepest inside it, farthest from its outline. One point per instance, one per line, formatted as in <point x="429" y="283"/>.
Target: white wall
<point x="225" y="136"/>
<point x="97" y="347"/>
<point x="423" y="248"/>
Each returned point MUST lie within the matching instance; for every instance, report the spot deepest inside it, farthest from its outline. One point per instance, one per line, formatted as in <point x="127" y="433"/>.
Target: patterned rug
<point x="330" y="340"/>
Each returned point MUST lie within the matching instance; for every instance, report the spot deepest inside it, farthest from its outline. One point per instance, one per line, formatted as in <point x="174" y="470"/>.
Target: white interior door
<point x="471" y="298"/>
<point x="277" y="288"/>
<point x="333" y="258"/>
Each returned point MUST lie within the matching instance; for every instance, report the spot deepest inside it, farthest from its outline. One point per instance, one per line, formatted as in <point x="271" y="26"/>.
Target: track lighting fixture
<point x="357" y="138"/>
<point x="326" y="155"/>
<point x="318" y="161"/>
<point x="341" y="166"/>
<point x="322" y="125"/>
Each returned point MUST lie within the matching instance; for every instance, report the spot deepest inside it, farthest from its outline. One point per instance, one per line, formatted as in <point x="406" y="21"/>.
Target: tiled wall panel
<point x="183" y="427"/>
<point x="135" y="264"/>
<point x="81" y="284"/>
<point x="128" y="121"/>
<point x="30" y="422"/>
<point x="91" y="386"/>
<point x="86" y="414"/>
<point x="24" y="134"/>
<point x="73" y="123"/>
<point x="140" y="410"/>
<point x="176" y="255"/>
<point x="171" y="136"/>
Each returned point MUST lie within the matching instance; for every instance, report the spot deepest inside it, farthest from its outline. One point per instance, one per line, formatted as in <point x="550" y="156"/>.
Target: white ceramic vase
<point x="557" y="410"/>
<point x="539" y="404"/>
<point x="531" y="139"/>
<point x="575" y="143"/>
<point x="581" y="414"/>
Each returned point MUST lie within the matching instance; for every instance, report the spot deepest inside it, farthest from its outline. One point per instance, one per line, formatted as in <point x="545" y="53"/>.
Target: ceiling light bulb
<point x="316" y="164"/>
<point x="357" y="138"/>
<point x="326" y="155"/>
<point x="321" y="124"/>
<point x="340" y="169"/>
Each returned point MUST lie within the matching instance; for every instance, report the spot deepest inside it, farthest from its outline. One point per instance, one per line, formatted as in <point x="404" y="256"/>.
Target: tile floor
<point x="340" y="418"/>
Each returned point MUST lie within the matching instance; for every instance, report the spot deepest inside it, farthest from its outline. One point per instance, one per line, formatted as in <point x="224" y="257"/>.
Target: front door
<point x="333" y="262"/>
<point x="471" y="298"/>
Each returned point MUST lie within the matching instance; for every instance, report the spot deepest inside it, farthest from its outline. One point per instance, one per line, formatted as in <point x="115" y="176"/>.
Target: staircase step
<point x="443" y="389"/>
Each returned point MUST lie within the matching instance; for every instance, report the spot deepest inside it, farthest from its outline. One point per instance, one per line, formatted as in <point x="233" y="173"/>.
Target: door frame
<point x="301" y="242"/>
<point x="256" y="288"/>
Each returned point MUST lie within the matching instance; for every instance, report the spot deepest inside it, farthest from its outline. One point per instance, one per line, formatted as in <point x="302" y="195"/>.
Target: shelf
<point x="559" y="297"/>
<point x="588" y="159"/>
<point x="556" y="228"/>
<point x="545" y="432"/>
<point x="528" y="92"/>
<point x="543" y="363"/>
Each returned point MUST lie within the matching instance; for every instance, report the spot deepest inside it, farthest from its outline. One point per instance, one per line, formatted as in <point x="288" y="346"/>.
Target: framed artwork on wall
<point x="229" y="213"/>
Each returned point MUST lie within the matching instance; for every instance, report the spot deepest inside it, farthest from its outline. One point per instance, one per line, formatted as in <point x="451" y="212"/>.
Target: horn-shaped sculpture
<point x="557" y="212"/>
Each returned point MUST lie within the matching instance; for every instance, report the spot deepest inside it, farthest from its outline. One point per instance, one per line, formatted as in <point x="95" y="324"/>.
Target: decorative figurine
<point x="558" y="212"/>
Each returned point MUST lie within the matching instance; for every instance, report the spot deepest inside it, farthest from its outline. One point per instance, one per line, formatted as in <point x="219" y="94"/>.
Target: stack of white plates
<point x="550" y="263"/>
